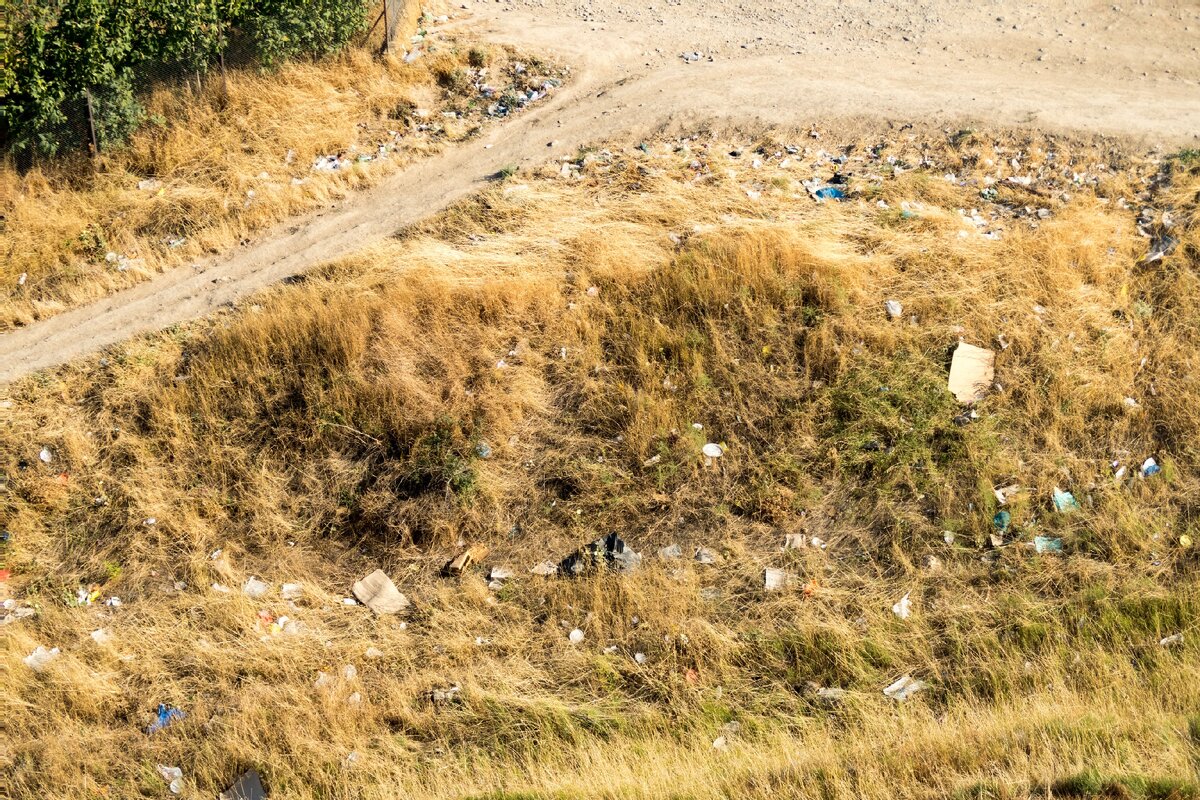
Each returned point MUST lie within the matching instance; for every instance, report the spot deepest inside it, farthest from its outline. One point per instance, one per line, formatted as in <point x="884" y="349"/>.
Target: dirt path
<point x="1092" y="67"/>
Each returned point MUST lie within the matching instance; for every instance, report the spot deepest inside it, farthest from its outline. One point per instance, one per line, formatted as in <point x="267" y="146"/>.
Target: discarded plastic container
<point x="1001" y="521"/>
<point x="575" y="636"/>
<point x="1150" y="467"/>
<point x="829" y="193"/>
<point x="713" y="450"/>
<point x="173" y="776"/>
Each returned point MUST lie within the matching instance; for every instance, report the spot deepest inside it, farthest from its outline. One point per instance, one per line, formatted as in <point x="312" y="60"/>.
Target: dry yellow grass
<point x="210" y="173"/>
<point x="333" y="426"/>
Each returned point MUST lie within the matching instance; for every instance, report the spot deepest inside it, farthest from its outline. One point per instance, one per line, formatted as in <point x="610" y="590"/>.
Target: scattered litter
<point x="173" y="776"/>
<point x="670" y="552"/>
<point x="705" y="556"/>
<point x="817" y="542"/>
<point x="14" y="612"/>
<point x="829" y="193"/>
<point x="794" y="541"/>
<point x="575" y="636"/>
<point x="1064" y="502"/>
<point x="1150" y="467"/>
<point x="1001" y="521"/>
<point x="774" y="579"/>
<point x="46" y="456"/>
<point x="483" y="450"/>
<point x="712" y="450"/>
<point x="1047" y="544"/>
<point x="639" y="658"/>
<point x="1005" y="493"/>
<point x="291" y="591"/>
<point x="328" y="163"/>
<point x="1172" y="640"/>
<point x="691" y="57"/>
<point x="972" y="371"/>
<point x="720" y="743"/>
<point x="1185" y="541"/>
<point x="254" y="588"/>
<point x="1160" y="247"/>
<point x="164" y="716"/>
<point x="373" y="652"/>
<point x="545" y="568"/>
<point x="113" y="602"/>
<point x="830" y="696"/>
<point x="247" y="787"/>
<point x="444" y="695"/>
<point x="463" y="561"/>
<point x="100" y="635"/>
<point x="903" y="607"/>
<point x="349" y="672"/>
<point x="220" y="587"/>
<point x="609" y="551"/>
<point x="40" y="658"/>
<point x="894" y="309"/>
<point x="905" y="688"/>
<point x="378" y="593"/>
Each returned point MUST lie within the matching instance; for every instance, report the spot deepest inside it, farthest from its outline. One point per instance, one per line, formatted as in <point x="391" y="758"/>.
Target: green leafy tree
<point x="57" y="53"/>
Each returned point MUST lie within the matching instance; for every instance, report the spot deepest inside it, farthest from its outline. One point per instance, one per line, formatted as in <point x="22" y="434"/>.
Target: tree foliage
<point x="55" y="53"/>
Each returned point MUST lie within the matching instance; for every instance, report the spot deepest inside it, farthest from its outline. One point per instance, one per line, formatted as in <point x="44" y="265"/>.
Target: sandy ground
<point x="1131" y="71"/>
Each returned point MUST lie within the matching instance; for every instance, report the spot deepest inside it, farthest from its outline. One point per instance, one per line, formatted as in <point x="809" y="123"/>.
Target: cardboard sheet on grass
<point x="378" y="593"/>
<point x="971" y="372"/>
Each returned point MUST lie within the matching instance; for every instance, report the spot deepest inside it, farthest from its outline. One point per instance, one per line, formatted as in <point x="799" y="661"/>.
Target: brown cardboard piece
<point x="971" y="372"/>
<point x="378" y="593"/>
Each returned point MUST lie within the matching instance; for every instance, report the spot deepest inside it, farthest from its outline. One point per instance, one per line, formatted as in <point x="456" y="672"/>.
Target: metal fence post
<point x="387" y="29"/>
<point x="95" y="143"/>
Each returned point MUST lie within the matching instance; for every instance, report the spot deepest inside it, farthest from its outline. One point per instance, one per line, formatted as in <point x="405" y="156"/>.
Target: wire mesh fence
<point x="90" y="119"/>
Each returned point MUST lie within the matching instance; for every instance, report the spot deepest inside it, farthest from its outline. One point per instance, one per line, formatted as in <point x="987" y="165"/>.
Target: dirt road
<point x="1130" y="71"/>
